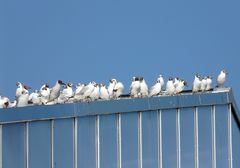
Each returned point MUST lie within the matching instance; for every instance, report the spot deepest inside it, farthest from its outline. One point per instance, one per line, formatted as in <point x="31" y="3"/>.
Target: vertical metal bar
<point x="98" y="141"/>
<point x="214" y="163"/>
<point x="230" y="158"/>
<point x="159" y="139"/>
<point x="75" y="148"/>
<point x="119" y="137"/>
<point x="52" y="143"/>
<point x="178" y="139"/>
<point x="140" y="139"/>
<point x="1" y="149"/>
<point x="196" y="146"/>
<point x="27" y="144"/>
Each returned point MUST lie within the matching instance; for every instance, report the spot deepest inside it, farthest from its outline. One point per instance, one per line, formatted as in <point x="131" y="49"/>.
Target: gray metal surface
<point x="199" y="130"/>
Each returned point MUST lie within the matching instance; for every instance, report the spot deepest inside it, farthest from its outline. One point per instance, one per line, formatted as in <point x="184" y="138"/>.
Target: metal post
<point x="230" y="158"/>
<point x="52" y="143"/>
<point x="159" y="139"/>
<point x="214" y="164"/>
<point x="27" y="144"/>
<point x="196" y="138"/>
<point x="119" y="137"/>
<point x="178" y="138"/>
<point x="140" y="139"/>
<point x="98" y="141"/>
<point x="75" y="142"/>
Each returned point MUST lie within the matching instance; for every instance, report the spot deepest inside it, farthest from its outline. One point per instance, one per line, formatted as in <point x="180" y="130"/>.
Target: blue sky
<point x="81" y="41"/>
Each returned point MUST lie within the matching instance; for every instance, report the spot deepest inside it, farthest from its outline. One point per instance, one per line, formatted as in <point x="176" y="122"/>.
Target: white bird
<point x="143" y="88"/>
<point x="35" y="98"/>
<point x="44" y="93"/>
<point x="78" y="96"/>
<point x="180" y="86"/>
<point x="176" y="82"/>
<point x="204" y="84"/>
<point x="95" y="93"/>
<point x="221" y="78"/>
<point x="112" y="83"/>
<point x="87" y="90"/>
<point x="104" y="95"/>
<point x="135" y="87"/>
<point x="196" y="83"/>
<point x="55" y="90"/>
<point x="155" y="89"/>
<point x="66" y="94"/>
<point x="23" y="99"/>
<point x="160" y="78"/>
<point x="170" y="89"/>
<point x="209" y="83"/>
<point x="20" y="89"/>
<point x="118" y="90"/>
<point x="4" y="102"/>
<point x="12" y="104"/>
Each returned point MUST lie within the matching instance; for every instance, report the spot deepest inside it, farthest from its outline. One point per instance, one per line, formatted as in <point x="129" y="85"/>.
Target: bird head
<point x="60" y="82"/>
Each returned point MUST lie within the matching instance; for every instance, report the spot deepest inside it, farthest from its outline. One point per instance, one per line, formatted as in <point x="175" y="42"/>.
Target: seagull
<point x="196" y="83"/>
<point x="20" y="89"/>
<point x="35" y="98"/>
<point x="170" y="89"/>
<point x="66" y="94"/>
<point x="23" y="99"/>
<point x="104" y="95"/>
<point x="78" y="96"/>
<point x="204" y="84"/>
<point x="209" y="83"/>
<point x="156" y="89"/>
<point x="44" y="93"/>
<point x="176" y="82"/>
<point x="118" y="90"/>
<point x="143" y="88"/>
<point x="95" y="93"/>
<point x="55" y="90"/>
<point x="87" y="90"/>
<point x="112" y="83"/>
<point x="135" y="87"/>
<point x="4" y="102"/>
<point x="160" y="78"/>
<point x="221" y="78"/>
<point x="181" y="85"/>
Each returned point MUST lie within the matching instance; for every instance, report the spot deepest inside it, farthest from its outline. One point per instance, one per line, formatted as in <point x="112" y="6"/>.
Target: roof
<point x="125" y="104"/>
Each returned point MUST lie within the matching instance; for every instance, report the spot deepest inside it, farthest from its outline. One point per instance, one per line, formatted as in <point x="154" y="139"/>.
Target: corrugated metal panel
<point x="186" y="130"/>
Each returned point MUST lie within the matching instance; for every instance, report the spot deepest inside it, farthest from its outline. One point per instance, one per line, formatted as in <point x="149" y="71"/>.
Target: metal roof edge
<point x="235" y="109"/>
<point x="184" y="100"/>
